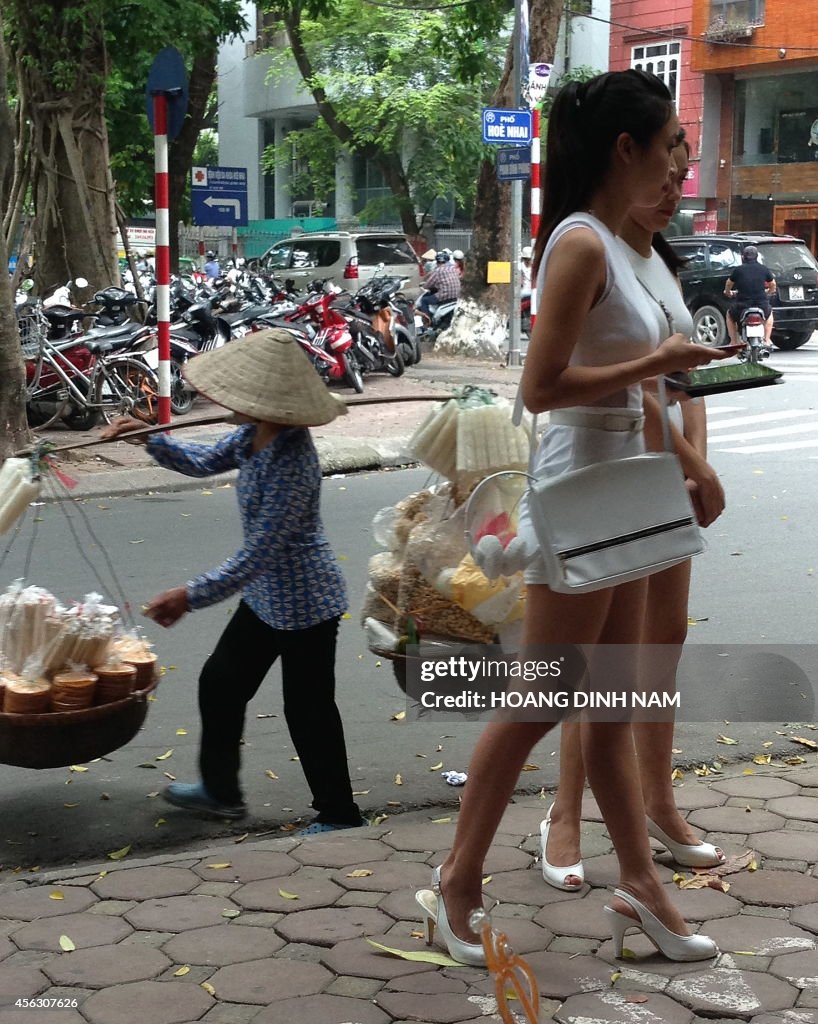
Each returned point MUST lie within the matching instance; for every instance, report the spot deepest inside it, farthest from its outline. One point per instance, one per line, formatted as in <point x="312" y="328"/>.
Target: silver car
<point x="348" y="259"/>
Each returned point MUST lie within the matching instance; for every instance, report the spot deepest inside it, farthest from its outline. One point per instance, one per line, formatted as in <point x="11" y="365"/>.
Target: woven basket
<point x="72" y="737"/>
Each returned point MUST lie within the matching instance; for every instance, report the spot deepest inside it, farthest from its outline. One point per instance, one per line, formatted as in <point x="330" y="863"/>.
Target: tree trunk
<point x="13" y="427"/>
<point x="200" y="88"/>
<point x="476" y="324"/>
<point x="75" y="224"/>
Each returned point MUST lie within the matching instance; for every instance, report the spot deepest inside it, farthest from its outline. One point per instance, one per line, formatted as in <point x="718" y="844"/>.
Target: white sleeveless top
<point x="652" y="271"/>
<point x="622" y="326"/>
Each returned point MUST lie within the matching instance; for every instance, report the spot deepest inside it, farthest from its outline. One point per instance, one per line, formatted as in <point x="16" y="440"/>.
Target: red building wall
<point x="657" y="21"/>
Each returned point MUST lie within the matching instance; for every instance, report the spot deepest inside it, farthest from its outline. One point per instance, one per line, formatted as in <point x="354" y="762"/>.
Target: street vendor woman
<point x="292" y="590"/>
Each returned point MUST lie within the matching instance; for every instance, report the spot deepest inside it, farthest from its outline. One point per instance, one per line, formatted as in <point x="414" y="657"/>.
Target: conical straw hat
<point x="266" y="376"/>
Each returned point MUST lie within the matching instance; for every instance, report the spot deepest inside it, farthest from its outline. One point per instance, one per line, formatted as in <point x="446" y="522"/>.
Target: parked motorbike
<point x="435" y="323"/>
<point x="393" y="314"/>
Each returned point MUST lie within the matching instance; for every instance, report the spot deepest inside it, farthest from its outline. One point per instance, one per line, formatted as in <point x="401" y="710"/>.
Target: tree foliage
<point x="385" y="90"/>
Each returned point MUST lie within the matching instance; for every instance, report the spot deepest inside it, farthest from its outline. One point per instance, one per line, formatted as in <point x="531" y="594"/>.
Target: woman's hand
<point x="123" y="425"/>
<point x="706" y="493"/>
<point x="168" y="607"/>
<point x="677" y="353"/>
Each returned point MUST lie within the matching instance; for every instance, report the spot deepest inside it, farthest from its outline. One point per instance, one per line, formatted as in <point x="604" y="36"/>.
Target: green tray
<point x="718" y="379"/>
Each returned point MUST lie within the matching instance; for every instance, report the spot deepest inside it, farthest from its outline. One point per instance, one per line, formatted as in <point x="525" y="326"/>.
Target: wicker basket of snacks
<point x="73" y="685"/>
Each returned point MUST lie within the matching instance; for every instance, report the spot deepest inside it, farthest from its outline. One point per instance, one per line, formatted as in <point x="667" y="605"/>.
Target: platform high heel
<point x="433" y="908"/>
<point x="680" y="948"/>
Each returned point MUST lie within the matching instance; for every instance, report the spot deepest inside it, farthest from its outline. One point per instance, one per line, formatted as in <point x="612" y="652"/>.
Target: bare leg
<point x="732" y="329"/>
<point x="504" y="748"/>
<point x="768" y="331"/>
<point x="564" y="835"/>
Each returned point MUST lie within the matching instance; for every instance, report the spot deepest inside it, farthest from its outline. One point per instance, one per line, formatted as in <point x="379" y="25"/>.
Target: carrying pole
<point x="161" y="202"/>
<point x="536" y="200"/>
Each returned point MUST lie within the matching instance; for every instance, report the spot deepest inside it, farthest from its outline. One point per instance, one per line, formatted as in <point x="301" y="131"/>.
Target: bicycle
<point x="78" y="382"/>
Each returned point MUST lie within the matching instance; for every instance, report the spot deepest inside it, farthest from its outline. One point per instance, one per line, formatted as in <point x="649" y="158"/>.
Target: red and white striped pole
<point x="161" y="196"/>
<point x="536" y="200"/>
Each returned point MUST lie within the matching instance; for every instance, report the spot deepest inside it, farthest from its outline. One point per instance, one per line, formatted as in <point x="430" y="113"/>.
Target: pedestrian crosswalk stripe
<point x="785" y="446"/>
<point x="763" y="417"/>
<point x="787" y="431"/>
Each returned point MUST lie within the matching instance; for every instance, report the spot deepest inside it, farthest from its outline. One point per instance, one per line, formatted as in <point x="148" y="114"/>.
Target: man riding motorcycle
<point x="751" y="284"/>
<point x="442" y="285"/>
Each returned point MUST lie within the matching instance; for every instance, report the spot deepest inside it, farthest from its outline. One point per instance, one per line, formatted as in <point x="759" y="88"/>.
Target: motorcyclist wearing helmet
<point x="442" y="285"/>
<point x="751" y="284"/>
<point x="459" y="260"/>
<point x="525" y="271"/>
<point x="211" y="268"/>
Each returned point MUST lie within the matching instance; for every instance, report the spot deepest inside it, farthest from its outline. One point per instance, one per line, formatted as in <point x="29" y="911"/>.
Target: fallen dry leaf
<point x="701" y="881"/>
<point x="360" y="792"/>
<point x="230" y="913"/>
<point x="398" y="780"/>
<point x="70" y="805"/>
<point x="56" y="895"/>
<point x="206" y="984"/>
<point x="379" y="819"/>
<point x="119" y="854"/>
<point x="240" y="839"/>
<point x="727" y="740"/>
<point x="66" y="944"/>
<point x="77" y="768"/>
<point x="812" y="744"/>
<point x="182" y="971"/>
<point x="636" y="997"/>
<point x="441" y="821"/>
<point x="677" y="774"/>
<point x="359" y="873"/>
<point x="416" y="935"/>
<point x="487" y="879"/>
<point x="270" y="774"/>
<point x="440" y="959"/>
<point x="160" y="821"/>
<point x="530" y="768"/>
<point x="767" y="743"/>
<point x="738" y="862"/>
<point x="615" y="977"/>
<point x="166" y="755"/>
<point x="181" y="732"/>
<point x="221" y="866"/>
<point x="748" y="771"/>
<point x="436" y="767"/>
<point x="288" y="895"/>
<point x="393" y="803"/>
<point x="762" y="759"/>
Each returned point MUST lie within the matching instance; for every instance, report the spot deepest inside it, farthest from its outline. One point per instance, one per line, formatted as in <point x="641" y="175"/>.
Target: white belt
<point x="613" y="421"/>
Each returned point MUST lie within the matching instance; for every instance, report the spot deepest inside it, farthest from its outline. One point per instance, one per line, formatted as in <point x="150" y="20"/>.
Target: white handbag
<point x="613" y="521"/>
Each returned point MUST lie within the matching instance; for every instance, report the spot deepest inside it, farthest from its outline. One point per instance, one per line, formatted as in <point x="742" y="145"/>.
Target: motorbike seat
<point x="103" y="346"/>
<point x="127" y="330"/>
<point x="62" y="316"/>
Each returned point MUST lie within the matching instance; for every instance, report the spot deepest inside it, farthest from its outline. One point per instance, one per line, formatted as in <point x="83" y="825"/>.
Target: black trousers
<point x="230" y="679"/>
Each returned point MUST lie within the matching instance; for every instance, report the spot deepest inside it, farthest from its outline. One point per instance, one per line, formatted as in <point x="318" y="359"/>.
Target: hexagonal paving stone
<point x="524" y="936"/>
<point x="268" y="981"/>
<point x="222" y="944"/>
<point x="335" y="851"/>
<point x="247" y="866"/>
<point x="646" y="960"/>
<point x="691" y="795"/>
<point x="32" y="904"/>
<point x="526" y="887"/>
<point x="360" y="960"/>
<point x="786" y="1017"/>
<point x="264" y="894"/>
<point x="329" y="925"/>
<point x="801" y="808"/>
<point x="774" y="888"/>
<point x="178" y="913"/>
<point x="759" y="935"/>
<point x="727" y="992"/>
<point x="323" y="1008"/>
<point x="20" y="982"/>
<point x="429" y="983"/>
<point x="157" y="1002"/>
<point x="84" y="930"/>
<point x="442" y="1008"/>
<point x="613" y="1008"/>
<point x="421" y="838"/>
<point x="145" y="883"/>
<point x="559" y="975"/>
<point x="401" y="905"/>
<point x="604" y="871"/>
<point x="762" y="787"/>
<point x="804" y="776"/>
<point x="582" y="916"/>
<point x="799" y="969"/>
<point x="787" y="845"/>
<point x="7" y="947"/>
<point x="386" y="876"/>
<point x="703" y="904"/>
<point x="806" y="917"/>
<point x="736" y="820"/>
<point x="55" y="1016"/>
<point x="506" y="858"/>
<point x="103" y="966"/>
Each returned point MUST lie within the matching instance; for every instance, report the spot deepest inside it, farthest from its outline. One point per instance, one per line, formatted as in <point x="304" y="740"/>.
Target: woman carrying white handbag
<point x="609" y="148"/>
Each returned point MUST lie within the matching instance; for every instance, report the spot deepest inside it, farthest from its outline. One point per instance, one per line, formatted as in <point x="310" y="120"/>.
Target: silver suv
<point x="348" y="259"/>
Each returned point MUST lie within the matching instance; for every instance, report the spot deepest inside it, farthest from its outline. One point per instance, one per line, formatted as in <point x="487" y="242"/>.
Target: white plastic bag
<point x="18" y="489"/>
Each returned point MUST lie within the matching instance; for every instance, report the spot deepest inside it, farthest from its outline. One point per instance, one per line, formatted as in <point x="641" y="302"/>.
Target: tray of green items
<point x="715" y="380"/>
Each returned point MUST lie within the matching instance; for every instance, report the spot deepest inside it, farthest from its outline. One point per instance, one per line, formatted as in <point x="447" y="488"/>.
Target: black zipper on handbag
<point x="626" y="538"/>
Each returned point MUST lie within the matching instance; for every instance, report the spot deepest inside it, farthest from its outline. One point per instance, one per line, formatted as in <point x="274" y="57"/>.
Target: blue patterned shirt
<point x="285" y="569"/>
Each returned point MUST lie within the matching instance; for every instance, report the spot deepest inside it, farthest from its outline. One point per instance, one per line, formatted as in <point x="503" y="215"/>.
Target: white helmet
<point x="527" y="252"/>
<point x="458" y="254"/>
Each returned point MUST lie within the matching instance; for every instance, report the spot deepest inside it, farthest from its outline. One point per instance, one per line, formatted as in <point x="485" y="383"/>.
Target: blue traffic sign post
<point x="506" y="126"/>
<point x="514" y="164"/>
<point x="219" y="196"/>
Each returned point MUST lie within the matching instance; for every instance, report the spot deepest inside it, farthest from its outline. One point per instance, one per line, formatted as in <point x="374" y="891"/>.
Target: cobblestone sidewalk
<point x="275" y="931"/>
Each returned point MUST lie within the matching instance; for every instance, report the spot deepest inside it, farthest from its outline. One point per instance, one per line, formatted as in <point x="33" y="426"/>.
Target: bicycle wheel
<point x="181" y="396"/>
<point x="127" y="387"/>
<point x="42" y="415"/>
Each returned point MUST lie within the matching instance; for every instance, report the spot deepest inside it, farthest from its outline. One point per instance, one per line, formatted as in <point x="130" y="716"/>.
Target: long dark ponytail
<point x="585" y="121"/>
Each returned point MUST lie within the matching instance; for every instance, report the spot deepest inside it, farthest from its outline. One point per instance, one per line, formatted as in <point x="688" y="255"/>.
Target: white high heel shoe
<point x="688" y="855"/>
<point x="680" y="948"/>
<point x="431" y="903"/>
<point x="556" y="876"/>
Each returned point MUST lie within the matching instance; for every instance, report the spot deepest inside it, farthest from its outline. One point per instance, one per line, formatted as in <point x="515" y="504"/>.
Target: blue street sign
<point x="514" y="163"/>
<point x="168" y="76"/>
<point x="505" y="126"/>
<point x="219" y="196"/>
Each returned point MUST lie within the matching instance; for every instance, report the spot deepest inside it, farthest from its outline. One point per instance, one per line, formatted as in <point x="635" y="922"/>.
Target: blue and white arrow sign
<point x="219" y="196"/>
<point x="505" y="126"/>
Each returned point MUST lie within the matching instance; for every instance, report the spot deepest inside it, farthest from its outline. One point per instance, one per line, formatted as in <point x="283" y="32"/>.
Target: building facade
<point x="759" y="59"/>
